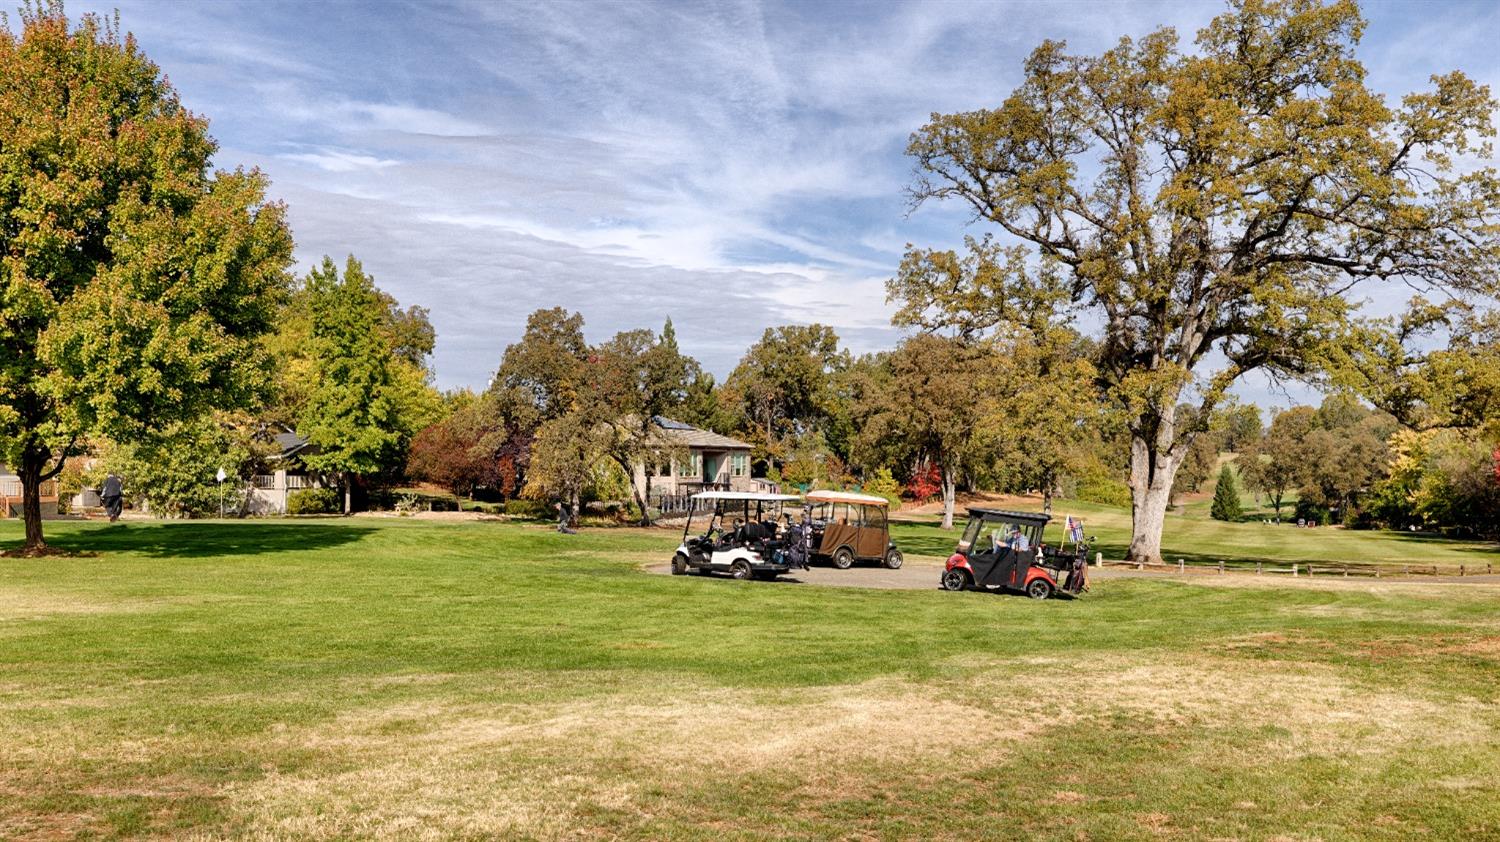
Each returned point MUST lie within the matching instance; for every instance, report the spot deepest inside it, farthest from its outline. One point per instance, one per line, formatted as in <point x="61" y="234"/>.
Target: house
<point x="705" y="461"/>
<point x="269" y="492"/>
<point x="10" y="494"/>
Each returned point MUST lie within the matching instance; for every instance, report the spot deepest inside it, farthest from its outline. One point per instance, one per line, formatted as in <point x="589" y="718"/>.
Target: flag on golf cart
<point x="1074" y="530"/>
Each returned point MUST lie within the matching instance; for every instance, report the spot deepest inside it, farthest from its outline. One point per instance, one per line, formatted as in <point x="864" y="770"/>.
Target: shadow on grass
<point x="188" y="539"/>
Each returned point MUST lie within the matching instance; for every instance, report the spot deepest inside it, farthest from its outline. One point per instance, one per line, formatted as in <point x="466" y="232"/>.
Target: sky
<point x="732" y="166"/>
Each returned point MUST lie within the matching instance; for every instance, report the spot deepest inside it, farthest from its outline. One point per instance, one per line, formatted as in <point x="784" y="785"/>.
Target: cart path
<point x="922" y="575"/>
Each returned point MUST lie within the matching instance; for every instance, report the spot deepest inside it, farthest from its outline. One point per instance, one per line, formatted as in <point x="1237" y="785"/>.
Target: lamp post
<point x="219" y="477"/>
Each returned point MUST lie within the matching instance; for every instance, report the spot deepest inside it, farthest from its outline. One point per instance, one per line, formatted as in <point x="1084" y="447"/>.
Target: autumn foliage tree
<point x="1213" y="208"/>
<point x="137" y="280"/>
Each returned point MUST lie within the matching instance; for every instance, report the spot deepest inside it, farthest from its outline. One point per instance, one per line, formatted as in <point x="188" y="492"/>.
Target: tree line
<point x="1160" y="221"/>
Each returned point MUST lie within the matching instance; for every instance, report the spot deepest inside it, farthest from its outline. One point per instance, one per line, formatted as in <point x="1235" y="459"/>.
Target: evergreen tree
<point x="1226" y="504"/>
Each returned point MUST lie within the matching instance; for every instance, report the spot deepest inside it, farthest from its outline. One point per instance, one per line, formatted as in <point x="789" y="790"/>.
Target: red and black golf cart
<point x="1002" y="550"/>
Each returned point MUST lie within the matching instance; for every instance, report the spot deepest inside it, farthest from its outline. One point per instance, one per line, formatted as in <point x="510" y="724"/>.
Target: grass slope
<point x="407" y="679"/>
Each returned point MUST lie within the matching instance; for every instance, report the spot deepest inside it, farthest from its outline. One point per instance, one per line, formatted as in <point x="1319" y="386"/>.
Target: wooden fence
<point x="1324" y="569"/>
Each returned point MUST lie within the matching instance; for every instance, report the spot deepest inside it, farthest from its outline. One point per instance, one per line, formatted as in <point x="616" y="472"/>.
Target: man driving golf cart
<point x="756" y="544"/>
<point x="1003" y="550"/>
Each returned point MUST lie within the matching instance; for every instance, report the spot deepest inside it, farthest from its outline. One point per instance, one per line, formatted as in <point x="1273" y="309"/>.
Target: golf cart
<point x="746" y="535"/>
<point x="848" y="527"/>
<point x="1003" y="550"/>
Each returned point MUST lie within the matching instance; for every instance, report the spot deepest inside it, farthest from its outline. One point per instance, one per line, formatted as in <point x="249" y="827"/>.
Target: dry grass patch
<point x="437" y="770"/>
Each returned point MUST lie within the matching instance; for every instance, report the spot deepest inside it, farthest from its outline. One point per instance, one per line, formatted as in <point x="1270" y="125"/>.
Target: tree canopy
<point x="137" y="281"/>
<point x="1214" y="208"/>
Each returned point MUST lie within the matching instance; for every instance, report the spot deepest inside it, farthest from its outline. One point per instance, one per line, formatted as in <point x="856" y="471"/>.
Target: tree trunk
<point x="1047" y="495"/>
<point x="949" y="488"/>
<point x="348" y="492"/>
<point x="30" y="472"/>
<point x="1151" y="477"/>
<point x="635" y="488"/>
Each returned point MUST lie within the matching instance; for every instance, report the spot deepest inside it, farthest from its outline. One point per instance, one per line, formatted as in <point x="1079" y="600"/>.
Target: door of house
<point x="711" y="466"/>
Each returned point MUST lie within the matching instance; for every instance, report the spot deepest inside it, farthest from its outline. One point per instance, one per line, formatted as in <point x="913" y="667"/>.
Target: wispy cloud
<point x="338" y="160"/>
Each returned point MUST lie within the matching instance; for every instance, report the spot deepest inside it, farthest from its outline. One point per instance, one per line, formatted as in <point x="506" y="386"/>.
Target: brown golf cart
<point x="847" y="527"/>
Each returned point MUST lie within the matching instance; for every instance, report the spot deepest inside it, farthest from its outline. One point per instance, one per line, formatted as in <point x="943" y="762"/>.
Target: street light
<point x="220" y="479"/>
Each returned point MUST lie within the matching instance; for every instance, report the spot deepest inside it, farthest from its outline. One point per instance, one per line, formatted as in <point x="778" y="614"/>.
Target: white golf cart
<point x="746" y="536"/>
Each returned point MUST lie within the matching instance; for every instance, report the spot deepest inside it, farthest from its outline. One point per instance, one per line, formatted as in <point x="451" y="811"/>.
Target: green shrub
<point x="314" y="501"/>
<point x="528" y="508"/>
<point x="885" y="485"/>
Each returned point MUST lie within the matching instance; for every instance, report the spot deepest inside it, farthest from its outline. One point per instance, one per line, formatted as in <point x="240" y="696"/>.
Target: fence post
<point x="1221" y="565"/>
<point x="1098" y="559"/>
<point x="1257" y="568"/>
<point x="1181" y="567"/>
<point x="1294" y="571"/>
<point x="1346" y="571"/>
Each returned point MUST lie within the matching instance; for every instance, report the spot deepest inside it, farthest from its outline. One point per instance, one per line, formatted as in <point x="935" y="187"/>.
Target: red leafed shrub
<point x="925" y="483"/>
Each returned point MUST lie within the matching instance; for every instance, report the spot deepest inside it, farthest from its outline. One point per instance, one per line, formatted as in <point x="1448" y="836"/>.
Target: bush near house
<point x="314" y="501"/>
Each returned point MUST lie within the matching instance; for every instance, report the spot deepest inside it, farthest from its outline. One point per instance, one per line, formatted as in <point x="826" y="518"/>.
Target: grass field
<point x="404" y="679"/>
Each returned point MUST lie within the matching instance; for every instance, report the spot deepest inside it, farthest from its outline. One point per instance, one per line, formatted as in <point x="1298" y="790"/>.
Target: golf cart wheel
<point x="956" y="580"/>
<point x="893" y="560"/>
<point x="679" y="565"/>
<point x="1039" y="589"/>
<point x="843" y="558"/>
<point x="740" y="570"/>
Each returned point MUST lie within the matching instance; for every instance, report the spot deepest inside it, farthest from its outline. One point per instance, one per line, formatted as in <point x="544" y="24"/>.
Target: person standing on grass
<point x="113" y="497"/>
<point x="565" y="518"/>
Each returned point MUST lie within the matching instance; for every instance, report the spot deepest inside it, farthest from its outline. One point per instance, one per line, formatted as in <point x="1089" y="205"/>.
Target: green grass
<point x="1192" y="535"/>
<point x="397" y="678"/>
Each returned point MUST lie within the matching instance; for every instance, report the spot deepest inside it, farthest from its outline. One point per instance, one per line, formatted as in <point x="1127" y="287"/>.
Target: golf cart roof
<point x="846" y="497"/>
<point x="1026" y="518"/>
<point x="746" y="495"/>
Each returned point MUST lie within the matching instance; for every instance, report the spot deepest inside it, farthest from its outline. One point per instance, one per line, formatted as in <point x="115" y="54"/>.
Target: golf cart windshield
<point x="992" y="528"/>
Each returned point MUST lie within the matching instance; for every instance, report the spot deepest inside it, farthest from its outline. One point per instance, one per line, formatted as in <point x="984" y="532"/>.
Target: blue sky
<point x="731" y="165"/>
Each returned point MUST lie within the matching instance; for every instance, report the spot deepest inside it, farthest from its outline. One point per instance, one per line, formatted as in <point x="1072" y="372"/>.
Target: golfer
<point x="113" y="497"/>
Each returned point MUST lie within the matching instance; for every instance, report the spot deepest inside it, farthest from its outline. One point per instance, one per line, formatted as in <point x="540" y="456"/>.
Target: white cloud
<point x="338" y="160"/>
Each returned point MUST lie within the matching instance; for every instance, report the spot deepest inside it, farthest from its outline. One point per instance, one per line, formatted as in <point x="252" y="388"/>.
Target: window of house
<point x="739" y="464"/>
<point x="691" y="466"/>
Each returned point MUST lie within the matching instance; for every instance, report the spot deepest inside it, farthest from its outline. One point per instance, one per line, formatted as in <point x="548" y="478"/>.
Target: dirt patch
<point x="47" y="552"/>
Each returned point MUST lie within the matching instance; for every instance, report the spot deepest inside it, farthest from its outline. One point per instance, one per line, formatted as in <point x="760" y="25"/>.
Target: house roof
<point x="678" y="434"/>
<point x="290" y="444"/>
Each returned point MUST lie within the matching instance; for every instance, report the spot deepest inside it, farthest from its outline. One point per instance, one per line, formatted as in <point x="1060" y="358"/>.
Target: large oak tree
<point x="135" y="282"/>
<point x="1213" y="208"/>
